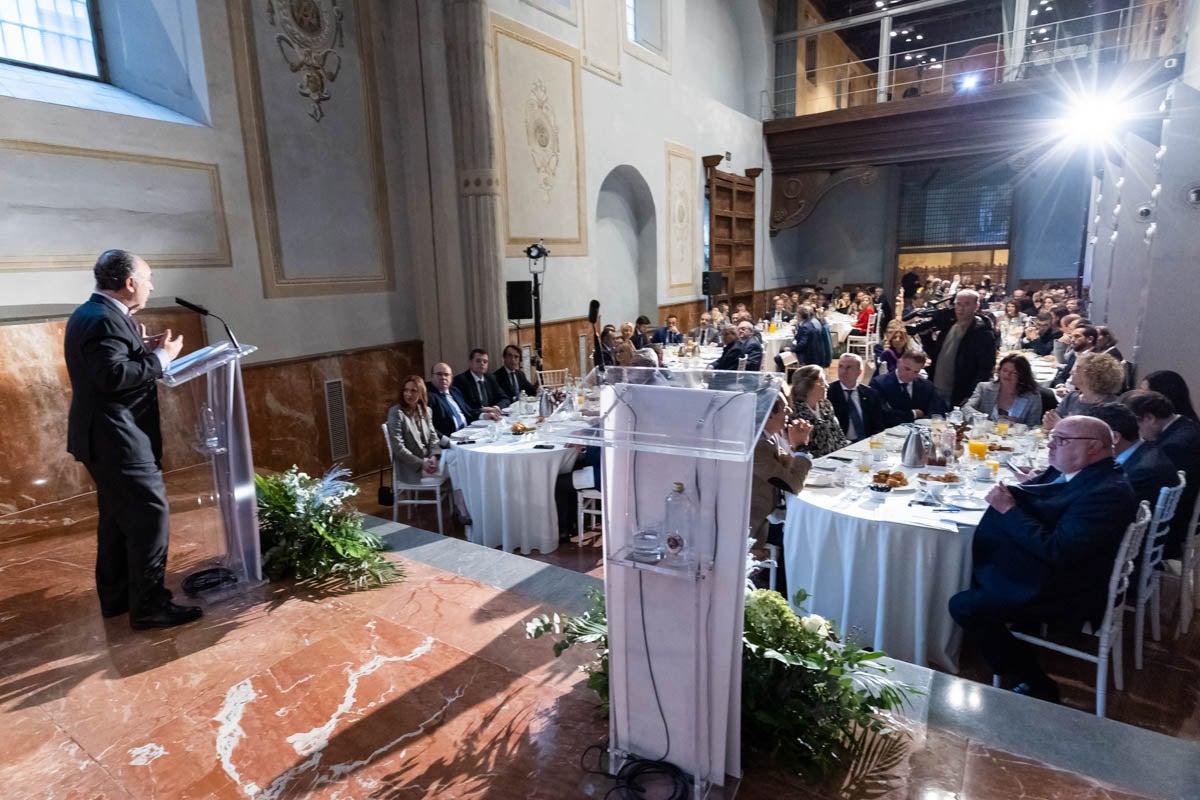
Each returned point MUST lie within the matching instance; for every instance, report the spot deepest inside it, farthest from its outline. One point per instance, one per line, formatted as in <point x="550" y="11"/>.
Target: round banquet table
<point x="839" y="326"/>
<point x="884" y="571"/>
<point x="773" y="345"/>
<point x="508" y="486"/>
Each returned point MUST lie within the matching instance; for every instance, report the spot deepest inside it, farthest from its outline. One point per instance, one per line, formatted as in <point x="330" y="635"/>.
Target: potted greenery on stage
<point x="308" y="530"/>
<point x="811" y="704"/>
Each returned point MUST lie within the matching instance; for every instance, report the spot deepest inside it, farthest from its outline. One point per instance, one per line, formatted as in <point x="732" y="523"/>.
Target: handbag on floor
<point x="386" y="496"/>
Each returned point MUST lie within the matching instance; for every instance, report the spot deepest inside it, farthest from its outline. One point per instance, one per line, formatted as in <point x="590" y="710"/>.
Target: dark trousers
<point x="131" y="537"/>
<point x="775" y="537"/>
<point x="566" y="501"/>
<point x="986" y="621"/>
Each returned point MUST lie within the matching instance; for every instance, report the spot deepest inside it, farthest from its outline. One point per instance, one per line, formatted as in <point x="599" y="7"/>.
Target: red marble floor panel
<point x="994" y="775"/>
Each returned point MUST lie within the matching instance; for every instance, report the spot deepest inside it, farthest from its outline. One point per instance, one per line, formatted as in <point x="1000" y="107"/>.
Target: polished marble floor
<point x="425" y="689"/>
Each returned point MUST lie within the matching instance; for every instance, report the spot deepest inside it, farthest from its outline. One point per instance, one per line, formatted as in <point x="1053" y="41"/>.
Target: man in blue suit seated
<point x="750" y="346"/>
<point x="451" y="411"/>
<point x="810" y="343"/>
<point x="906" y="396"/>
<point x="669" y="333"/>
<point x="1146" y="468"/>
<point x="1044" y="551"/>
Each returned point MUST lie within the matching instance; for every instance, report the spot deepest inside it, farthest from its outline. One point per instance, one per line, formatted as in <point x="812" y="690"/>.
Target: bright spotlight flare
<point x="1094" y="119"/>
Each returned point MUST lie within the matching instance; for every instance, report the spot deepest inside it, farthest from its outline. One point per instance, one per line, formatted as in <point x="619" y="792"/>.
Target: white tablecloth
<point x="774" y="344"/>
<point x="885" y="571"/>
<point x="508" y="486"/>
<point x="839" y="325"/>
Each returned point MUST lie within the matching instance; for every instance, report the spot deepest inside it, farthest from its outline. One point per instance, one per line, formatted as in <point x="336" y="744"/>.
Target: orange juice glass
<point x="977" y="449"/>
<point x="1002" y="428"/>
<point x="995" y="465"/>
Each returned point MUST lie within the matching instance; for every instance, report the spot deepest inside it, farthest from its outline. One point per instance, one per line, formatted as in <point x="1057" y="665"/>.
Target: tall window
<point x="52" y="34"/>
<point x="644" y="24"/>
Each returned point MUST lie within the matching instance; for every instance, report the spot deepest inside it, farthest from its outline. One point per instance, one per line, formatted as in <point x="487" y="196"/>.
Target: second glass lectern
<point x="223" y="434"/>
<point x="675" y="597"/>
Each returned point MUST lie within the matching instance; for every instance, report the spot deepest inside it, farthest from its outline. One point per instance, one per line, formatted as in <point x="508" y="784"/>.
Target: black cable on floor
<point x="630" y="779"/>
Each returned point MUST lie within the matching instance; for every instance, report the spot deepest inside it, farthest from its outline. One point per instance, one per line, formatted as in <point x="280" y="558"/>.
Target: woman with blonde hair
<point x="1098" y="378"/>
<point x="415" y="442"/>
<point x="809" y="403"/>
<point x="897" y="343"/>
<point x="626" y="331"/>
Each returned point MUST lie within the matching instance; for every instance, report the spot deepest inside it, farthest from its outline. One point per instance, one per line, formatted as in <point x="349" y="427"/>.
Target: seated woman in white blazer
<point x="1013" y="394"/>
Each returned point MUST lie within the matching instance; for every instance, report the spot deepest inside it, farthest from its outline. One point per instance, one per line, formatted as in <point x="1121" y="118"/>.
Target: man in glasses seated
<point x="1044" y="551"/>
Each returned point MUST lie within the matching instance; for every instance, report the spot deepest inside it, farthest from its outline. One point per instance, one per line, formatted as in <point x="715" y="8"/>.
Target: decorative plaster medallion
<point x="541" y="134"/>
<point x="681" y="225"/>
<point x="311" y="29"/>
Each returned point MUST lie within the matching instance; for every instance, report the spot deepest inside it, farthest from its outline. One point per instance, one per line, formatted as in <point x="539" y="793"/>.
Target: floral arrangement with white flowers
<point x="308" y="529"/>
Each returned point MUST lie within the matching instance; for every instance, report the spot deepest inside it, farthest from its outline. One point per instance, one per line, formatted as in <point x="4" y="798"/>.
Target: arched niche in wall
<point x="626" y="247"/>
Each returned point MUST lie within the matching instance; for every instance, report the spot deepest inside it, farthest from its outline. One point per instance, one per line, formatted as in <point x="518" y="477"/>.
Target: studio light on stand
<point x="538" y="257"/>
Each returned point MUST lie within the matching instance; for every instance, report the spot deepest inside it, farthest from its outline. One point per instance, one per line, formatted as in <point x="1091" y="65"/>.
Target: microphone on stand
<point x="593" y="315"/>
<point x="204" y="312"/>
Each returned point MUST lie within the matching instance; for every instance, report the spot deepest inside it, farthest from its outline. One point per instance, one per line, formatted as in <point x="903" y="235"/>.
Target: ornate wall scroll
<point x="318" y="191"/>
<point x="311" y="31"/>
<point x="795" y="195"/>
<point x="539" y="111"/>
<point x="681" y="218"/>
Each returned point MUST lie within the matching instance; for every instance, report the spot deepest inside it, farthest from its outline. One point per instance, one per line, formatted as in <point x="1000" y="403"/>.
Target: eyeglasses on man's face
<point x="1057" y="440"/>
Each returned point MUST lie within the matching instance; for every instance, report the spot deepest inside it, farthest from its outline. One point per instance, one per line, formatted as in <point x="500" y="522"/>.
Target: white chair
<point x="552" y="378"/>
<point x="865" y="342"/>
<point x="1187" y="571"/>
<point x="1149" y="577"/>
<point x="588" y="504"/>
<point x="413" y="494"/>
<point x="1112" y="625"/>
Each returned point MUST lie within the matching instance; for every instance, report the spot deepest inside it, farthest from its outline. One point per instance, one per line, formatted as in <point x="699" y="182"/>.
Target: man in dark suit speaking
<point x="1044" y="551"/>
<point x="113" y="428"/>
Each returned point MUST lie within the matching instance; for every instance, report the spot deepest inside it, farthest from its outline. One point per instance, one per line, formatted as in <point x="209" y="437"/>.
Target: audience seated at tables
<point x="1097" y="379"/>
<point x="1145" y="466"/>
<point x="1066" y="327"/>
<point x="1106" y="342"/>
<point x="1172" y="385"/>
<point x="904" y="394"/>
<point x="963" y="351"/>
<point x="511" y="379"/>
<point x="810" y="343"/>
<point x="1044" y="551"/>
<point x="896" y="342"/>
<point x="477" y="387"/>
<point x="451" y="411"/>
<point x="623" y="353"/>
<point x="844" y="304"/>
<point x="1083" y="340"/>
<point x="415" y="441"/>
<point x="668" y="333"/>
<point x="1013" y="394"/>
<point x="706" y="332"/>
<point x="811" y="404"/>
<point x="640" y="337"/>
<point x="858" y="408"/>
<point x="778" y="471"/>
<point x="887" y="309"/>
<point x="1178" y="438"/>
<point x="865" y="310"/>
<point x="625" y="333"/>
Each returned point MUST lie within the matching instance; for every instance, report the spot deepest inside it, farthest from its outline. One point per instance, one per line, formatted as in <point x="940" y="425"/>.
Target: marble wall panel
<point x="35" y="394"/>
<point x="286" y="406"/>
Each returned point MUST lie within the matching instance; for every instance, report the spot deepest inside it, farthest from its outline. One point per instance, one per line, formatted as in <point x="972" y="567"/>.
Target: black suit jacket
<point x="466" y="384"/>
<point x="1181" y="444"/>
<point x="975" y="360"/>
<point x="443" y="417"/>
<point x="504" y="384"/>
<point x="752" y="348"/>
<point x="729" y="356"/>
<point x="898" y="406"/>
<point x="114" y="415"/>
<point x="1148" y="471"/>
<point x="639" y="340"/>
<point x="1051" y="555"/>
<point x="868" y="398"/>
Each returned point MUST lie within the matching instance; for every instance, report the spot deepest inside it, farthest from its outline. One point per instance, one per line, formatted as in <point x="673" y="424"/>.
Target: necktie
<point x="459" y="422"/>
<point x="856" y="421"/>
<point x="479" y="391"/>
<point x="907" y="389"/>
<point x="516" y="387"/>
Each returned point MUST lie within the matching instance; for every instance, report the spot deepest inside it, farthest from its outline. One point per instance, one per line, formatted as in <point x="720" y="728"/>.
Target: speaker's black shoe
<point x="168" y="616"/>
<point x="1046" y="690"/>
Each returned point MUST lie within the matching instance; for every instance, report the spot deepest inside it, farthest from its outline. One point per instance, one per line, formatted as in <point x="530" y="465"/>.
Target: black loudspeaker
<point x="712" y="283"/>
<point x="520" y="299"/>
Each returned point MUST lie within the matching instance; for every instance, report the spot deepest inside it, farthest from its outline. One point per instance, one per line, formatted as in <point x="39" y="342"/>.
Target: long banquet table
<point x="885" y="571"/>
<point x="508" y="486"/>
